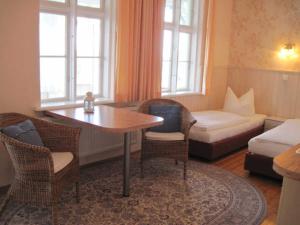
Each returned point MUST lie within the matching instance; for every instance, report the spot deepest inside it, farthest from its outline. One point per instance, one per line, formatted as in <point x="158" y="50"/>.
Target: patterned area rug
<point x="209" y="196"/>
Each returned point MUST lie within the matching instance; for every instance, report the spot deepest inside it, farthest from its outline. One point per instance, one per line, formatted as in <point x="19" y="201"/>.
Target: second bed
<point x="263" y="148"/>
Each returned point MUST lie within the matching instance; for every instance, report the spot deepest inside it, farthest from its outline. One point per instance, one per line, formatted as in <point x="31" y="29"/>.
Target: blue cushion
<point x="25" y="132"/>
<point x="171" y="115"/>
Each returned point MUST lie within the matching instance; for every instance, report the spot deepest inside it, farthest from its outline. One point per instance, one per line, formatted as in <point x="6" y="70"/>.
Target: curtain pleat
<point x="139" y="49"/>
<point x="207" y="62"/>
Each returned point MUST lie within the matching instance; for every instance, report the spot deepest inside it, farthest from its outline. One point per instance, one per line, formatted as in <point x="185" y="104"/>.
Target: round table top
<point x="287" y="163"/>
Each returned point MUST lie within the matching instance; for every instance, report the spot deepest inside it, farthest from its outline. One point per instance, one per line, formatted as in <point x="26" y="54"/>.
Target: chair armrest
<point x="30" y="161"/>
<point x="59" y="138"/>
<point x="187" y="122"/>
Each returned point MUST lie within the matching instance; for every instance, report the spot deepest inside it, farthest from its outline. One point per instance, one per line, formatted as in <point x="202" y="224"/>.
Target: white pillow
<point x="243" y="106"/>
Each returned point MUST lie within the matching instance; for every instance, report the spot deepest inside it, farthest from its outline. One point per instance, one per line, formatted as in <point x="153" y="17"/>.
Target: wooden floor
<point x="269" y="187"/>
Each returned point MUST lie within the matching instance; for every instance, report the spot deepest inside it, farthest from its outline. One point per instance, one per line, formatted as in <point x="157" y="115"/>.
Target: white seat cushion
<point x="61" y="160"/>
<point x="174" y="136"/>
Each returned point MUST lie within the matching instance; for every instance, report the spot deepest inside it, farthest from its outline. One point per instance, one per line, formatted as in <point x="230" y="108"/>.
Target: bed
<point x="263" y="148"/>
<point x="218" y="133"/>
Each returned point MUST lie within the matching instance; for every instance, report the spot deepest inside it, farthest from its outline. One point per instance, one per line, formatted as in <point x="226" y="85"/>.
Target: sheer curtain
<point x="139" y="49"/>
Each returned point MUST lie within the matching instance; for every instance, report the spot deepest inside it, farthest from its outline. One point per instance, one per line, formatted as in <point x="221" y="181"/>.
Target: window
<point x="75" y="49"/>
<point x="180" y="47"/>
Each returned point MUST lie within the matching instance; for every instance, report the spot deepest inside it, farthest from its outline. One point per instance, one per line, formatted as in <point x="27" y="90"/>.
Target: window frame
<point x="106" y="15"/>
<point x="195" y="77"/>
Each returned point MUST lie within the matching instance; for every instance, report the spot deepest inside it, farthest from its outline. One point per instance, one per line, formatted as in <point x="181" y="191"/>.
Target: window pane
<point x="167" y="45"/>
<point x="169" y="11"/>
<point x="166" y="76"/>
<point x="88" y="77"/>
<point x="52" y="34"/>
<point x="184" y="46"/>
<point x="89" y="3"/>
<point x="88" y="36"/>
<point x="53" y="77"/>
<point x="186" y="14"/>
<point x="182" y="75"/>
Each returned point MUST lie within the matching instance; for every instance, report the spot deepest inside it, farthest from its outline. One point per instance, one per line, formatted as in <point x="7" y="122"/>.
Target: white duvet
<point x="287" y="133"/>
<point x="213" y="120"/>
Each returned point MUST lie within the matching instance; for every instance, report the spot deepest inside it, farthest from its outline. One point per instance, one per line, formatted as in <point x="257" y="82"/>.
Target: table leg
<point x="126" y="169"/>
<point x="289" y="205"/>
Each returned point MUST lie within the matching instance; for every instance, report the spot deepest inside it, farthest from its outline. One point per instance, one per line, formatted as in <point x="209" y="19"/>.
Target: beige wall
<point x="273" y="95"/>
<point x="259" y="29"/>
<point x="19" y="79"/>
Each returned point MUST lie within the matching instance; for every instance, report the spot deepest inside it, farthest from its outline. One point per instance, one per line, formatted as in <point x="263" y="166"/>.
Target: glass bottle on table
<point x="89" y="102"/>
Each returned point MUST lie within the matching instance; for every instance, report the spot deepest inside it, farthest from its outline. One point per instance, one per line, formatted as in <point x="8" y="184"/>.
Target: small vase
<point x="89" y="102"/>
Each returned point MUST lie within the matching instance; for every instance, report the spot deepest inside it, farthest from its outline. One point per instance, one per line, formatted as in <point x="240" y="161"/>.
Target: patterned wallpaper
<point x="259" y="29"/>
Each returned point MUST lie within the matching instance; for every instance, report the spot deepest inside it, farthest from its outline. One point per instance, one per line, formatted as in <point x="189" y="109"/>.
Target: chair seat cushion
<point x="158" y="136"/>
<point x="61" y="160"/>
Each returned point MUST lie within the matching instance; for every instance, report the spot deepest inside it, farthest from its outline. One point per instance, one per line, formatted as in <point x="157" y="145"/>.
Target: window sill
<point x="69" y="104"/>
<point x="181" y="93"/>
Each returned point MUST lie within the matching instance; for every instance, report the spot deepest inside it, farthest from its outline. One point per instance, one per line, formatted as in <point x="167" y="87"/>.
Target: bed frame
<point x="212" y="151"/>
<point x="260" y="164"/>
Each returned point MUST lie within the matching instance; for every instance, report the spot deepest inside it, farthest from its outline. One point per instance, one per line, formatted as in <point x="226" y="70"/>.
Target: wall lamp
<point x="288" y="51"/>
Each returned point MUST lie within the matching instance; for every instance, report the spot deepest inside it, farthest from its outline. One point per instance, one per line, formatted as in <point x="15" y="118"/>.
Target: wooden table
<point x="287" y="164"/>
<point x="110" y="119"/>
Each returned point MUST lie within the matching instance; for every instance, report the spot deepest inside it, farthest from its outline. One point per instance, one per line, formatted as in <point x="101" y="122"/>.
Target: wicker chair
<point x="37" y="179"/>
<point x="174" y="149"/>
